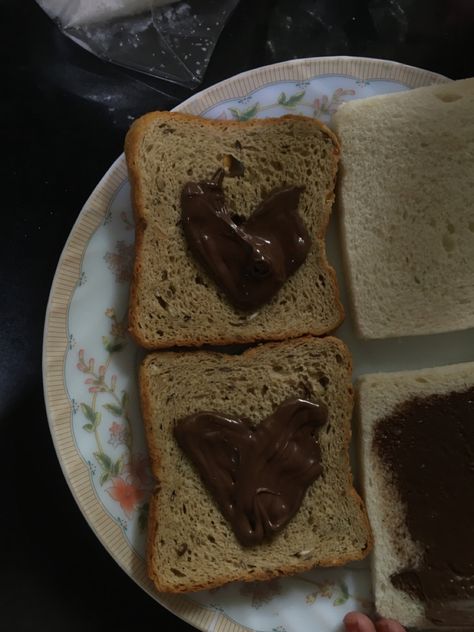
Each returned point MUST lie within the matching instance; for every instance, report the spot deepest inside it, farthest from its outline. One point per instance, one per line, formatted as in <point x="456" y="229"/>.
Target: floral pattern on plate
<point x="100" y="366"/>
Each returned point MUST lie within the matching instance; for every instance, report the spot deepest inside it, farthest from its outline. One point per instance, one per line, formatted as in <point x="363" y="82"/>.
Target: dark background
<point x="58" y="139"/>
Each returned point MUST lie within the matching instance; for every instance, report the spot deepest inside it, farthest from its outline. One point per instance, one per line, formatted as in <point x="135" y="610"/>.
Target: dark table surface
<point x="64" y="116"/>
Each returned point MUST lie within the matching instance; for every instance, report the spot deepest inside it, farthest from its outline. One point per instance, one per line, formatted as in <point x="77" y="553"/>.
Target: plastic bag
<point x="169" y="39"/>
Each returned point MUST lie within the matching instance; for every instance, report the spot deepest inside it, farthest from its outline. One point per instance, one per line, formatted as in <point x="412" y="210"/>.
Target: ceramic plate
<point x="90" y="363"/>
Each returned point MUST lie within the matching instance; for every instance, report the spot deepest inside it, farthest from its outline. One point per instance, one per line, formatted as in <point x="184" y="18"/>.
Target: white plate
<point x="90" y="364"/>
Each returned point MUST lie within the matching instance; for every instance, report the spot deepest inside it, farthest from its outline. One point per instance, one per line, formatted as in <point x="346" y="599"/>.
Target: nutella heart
<point x="249" y="261"/>
<point x="258" y="475"/>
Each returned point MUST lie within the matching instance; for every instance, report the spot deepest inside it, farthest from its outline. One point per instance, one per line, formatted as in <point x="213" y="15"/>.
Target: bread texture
<point x="378" y="395"/>
<point x="172" y="299"/>
<point x="190" y="544"/>
<point x="407" y="209"/>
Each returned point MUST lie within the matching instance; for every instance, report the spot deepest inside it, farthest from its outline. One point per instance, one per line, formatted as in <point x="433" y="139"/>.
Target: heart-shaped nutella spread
<point x="248" y="261"/>
<point x="258" y="475"/>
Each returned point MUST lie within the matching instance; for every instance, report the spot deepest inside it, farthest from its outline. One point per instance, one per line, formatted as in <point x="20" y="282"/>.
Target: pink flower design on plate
<point x="138" y="470"/>
<point x="82" y="365"/>
<point x="118" y="434"/>
<point x="120" y="261"/>
<point x="261" y="593"/>
<point x="126" y="494"/>
<point x="125" y="219"/>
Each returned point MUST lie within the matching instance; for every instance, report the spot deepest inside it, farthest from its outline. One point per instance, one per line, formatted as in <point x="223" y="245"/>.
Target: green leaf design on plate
<point x="117" y="467"/>
<point x="104" y="460"/>
<point x="88" y="412"/>
<point x="114" y="409"/>
<point x="339" y="601"/>
<point x="112" y="345"/>
<point x="88" y="427"/>
<point x="104" y="477"/>
<point x="290" y="102"/>
<point x="124" y="399"/>
<point x="344" y="596"/>
<point x="244" y="115"/>
<point x="91" y="415"/>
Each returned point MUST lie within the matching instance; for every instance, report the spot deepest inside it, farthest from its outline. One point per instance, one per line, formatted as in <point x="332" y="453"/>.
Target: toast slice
<point x="190" y="544"/>
<point x="383" y="404"/>
<point x="173" y="301"/>
<point x="407" y="203"/>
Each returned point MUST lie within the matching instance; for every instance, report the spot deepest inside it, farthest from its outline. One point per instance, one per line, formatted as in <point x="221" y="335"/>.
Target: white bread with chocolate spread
<point x="407" y="209"/>
<point x="191" y="546"/>
<point x="173" y="301"/>
<point x="378" y="397"/>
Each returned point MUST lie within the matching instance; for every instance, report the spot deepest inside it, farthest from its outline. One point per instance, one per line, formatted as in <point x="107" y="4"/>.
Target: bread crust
<point x="154" y="451"/>
<point x="132" y="145"/>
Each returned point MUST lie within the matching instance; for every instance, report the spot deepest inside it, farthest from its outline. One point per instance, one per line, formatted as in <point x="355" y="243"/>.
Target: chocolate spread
<point x="258" y="475"/>
<point x="248" y="261"/>
<point x="428" y="444"/>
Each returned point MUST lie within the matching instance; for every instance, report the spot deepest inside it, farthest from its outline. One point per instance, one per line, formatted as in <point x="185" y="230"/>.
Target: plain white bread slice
<point x="378" y="395"/>
<point x="407" y="200"/>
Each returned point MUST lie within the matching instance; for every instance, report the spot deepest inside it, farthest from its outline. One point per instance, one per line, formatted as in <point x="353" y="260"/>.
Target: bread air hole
<point x="276" y="164"/>
<point x="181" y="549"/>
<point x="324" y="381"/>
<point x="162" y="302"/>
<point x="448" y="243"/>
<point x="448" y="97"/>
<point x="305" y="390"/>
<point x="237" y="218"/>
<point x="199" y="280"/>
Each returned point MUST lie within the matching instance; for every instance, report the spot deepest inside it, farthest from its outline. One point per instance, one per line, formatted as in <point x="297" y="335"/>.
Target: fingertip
<point x="389" y="625"/>
<point x="351" y="617"/>
<point x="358" y="622"/>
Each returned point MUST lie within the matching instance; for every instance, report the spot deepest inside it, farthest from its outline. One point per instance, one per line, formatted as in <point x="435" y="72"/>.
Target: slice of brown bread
<point x="173" y="301"/>
<point x="190" y="544"/>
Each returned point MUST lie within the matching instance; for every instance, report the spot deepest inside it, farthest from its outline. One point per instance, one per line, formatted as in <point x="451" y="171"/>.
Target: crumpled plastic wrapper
<point x="168" y="39"/>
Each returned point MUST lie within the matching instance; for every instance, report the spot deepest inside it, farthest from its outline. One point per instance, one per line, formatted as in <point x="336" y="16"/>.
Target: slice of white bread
<point x="378" y="396"/>
<point x="190" y="544"/>
<point x="407" y="200"/>
<point x="173" y="301"/>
